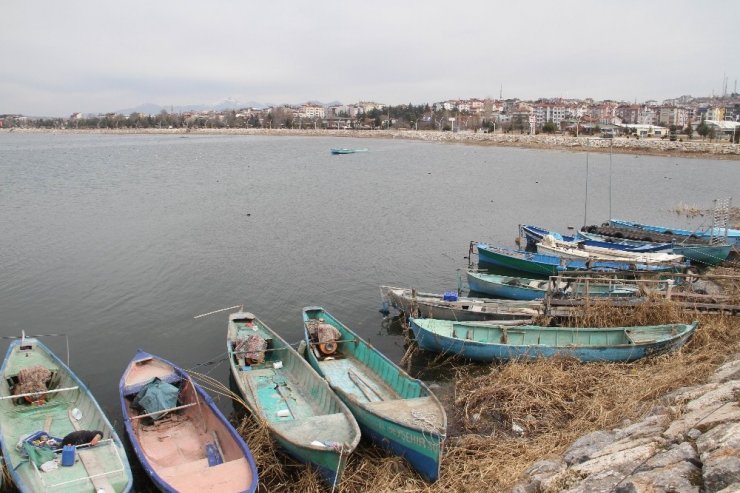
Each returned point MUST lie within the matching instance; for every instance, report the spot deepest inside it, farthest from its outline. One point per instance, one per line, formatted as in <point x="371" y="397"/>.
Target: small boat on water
<point x="178" y="433"/>
<point x="462" y="308"/>
<point x="397" y="412"/>
<point x="549" y="265"/>
<point x="522" y="288"/>
<point x="344" y="150"/>
<point x="302" y="412"/>
<point x="733" y="235"/>
<point x="41" y="401"/>
<point x="484" y="342"/>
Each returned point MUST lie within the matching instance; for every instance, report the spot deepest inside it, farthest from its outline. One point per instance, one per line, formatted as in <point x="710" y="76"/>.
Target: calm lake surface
<point x="119" y="241"/>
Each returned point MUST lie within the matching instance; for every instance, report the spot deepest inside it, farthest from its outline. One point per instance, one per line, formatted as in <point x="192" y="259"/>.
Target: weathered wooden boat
<point x="179" y="435"/>
<point x="732" y="235"/>
<point x="397" y="412"/>
<point x="42" y="401"/>
<point x="463" y="308"/>
<point x="522" y="288"/>
<point x="696" y="251"/>
<point x="344" y="150"/>
<point x="535" y="235"/>
<point x="302" y="412"/>
<point x="585" y="250"/>
<point x="549" y="265"/>
<point x="481" y="341"/>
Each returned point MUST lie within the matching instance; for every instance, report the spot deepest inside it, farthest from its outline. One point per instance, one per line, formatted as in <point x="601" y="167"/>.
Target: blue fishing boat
<point x="344" y="150"/>
<point x="397" y="412"/>
<point x="549" y="265"/>
<point x="522" y="288"/>
<point x="41" y="401"/>
<point x="178" y="433"/>
<point x="484" y="342"/>
<point x="733" y="235"/>
<point x="303" y="414"/>
<point x="535" y="235"/>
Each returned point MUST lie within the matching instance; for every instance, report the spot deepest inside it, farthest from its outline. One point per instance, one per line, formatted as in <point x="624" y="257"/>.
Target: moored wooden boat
<point x="397" y="412"/>
<point x="585" y="250"/>
<point x="34" y="409"/>
<point x="697" y="252"/>
<point x="549" y="265"/>
<point x="302" y="412"/>
<point x="484" y="342"/>
<point x="463" y="308"/>
<point x="186" y="444"/>
<point x="535" y="235"/>
<point x="732" y="235"/>
<point x="522" y="288"/>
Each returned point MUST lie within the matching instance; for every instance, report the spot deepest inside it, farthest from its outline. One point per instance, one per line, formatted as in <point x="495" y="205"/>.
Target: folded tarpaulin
<point x="157" y="395"/>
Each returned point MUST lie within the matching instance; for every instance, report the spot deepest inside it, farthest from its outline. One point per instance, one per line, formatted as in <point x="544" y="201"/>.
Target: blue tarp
<point x="157" y="395"/>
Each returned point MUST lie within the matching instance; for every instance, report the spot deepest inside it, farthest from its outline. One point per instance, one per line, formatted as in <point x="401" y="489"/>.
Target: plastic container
<point x="450" y="296"/>
<point x="68" y="455"/>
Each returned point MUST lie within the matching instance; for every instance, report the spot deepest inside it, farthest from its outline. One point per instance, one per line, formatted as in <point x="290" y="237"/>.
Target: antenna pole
<point x="585" y="204"/>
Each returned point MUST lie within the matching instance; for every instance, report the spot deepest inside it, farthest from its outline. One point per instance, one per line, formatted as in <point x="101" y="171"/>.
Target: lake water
<point x="119" y="241"/>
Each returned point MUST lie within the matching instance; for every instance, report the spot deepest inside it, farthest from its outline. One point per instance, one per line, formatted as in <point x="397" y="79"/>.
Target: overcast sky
<point x="59" y="57"/>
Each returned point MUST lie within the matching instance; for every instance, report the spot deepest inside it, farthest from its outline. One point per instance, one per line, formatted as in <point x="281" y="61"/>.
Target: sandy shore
<point x="658" y="147"/>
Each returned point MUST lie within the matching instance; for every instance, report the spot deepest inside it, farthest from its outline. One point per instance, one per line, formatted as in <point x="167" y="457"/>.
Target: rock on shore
<point x="688" y="444"/>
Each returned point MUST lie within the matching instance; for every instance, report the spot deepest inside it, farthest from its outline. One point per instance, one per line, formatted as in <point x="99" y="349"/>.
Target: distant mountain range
<point x="225" y="105"/>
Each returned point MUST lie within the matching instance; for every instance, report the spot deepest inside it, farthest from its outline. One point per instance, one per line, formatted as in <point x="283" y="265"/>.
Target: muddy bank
<point x="658" y="147"/>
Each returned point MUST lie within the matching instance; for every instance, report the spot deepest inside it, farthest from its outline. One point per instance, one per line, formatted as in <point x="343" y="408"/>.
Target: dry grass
<point x="554" y="401"/>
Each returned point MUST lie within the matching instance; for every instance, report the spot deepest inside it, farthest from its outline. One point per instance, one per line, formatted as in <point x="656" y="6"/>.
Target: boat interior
<point x="43" y="417"/>
<point x="366" y="377"/>
<point x="188" y="446"/>
<point x="284" y="387"/>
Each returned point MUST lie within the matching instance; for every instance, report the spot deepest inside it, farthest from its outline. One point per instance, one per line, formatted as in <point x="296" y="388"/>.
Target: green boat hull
<point x="397" y="412"/>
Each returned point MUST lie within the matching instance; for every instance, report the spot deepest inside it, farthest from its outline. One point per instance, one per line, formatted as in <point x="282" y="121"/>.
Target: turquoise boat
<point x="41" y="401"/>
<point x="484" y="342"/>
<point x="397" y="412"/>
<point x="303" y="414"/>
<point x="733" y="235"/>
<point x="344" y="150"/>
<point x="522" y="288"/>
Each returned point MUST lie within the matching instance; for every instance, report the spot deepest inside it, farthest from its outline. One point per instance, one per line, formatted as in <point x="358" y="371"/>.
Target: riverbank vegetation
<point x="505" y="417"/>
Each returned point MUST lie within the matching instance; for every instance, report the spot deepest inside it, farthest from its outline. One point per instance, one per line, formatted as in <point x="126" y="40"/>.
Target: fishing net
<point x="252" y="348"/>
<point x="32" y="380"/>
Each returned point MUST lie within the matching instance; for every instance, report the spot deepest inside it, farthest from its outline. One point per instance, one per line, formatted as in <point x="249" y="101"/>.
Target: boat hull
<point x="488" y="352"/>
<point x="236" y="472"/>
<point x="60" y="420"/>
<point x="318" y="408"/>
<point x="468" y="309"/>
<point x="507" y="287"/>
<point x="733" y="235"/>
<point x="398" y="413"/>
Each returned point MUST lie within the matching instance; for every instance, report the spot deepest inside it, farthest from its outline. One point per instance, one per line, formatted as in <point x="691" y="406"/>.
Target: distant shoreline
<point x="654" y="147"/>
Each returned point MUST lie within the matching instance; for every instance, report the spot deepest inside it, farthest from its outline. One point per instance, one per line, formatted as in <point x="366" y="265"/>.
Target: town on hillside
<point x="715" y="118"/>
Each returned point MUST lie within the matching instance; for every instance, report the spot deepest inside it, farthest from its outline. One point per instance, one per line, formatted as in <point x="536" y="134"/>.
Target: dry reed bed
<point x="554" y="401"/>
